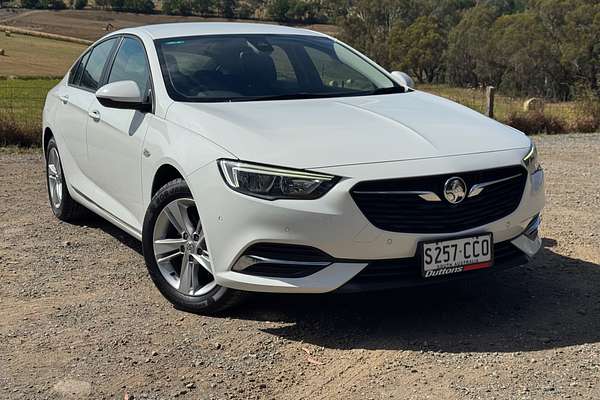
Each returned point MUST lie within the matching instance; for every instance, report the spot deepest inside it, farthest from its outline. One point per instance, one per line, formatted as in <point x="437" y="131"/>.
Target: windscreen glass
<point x="265" y="67"/>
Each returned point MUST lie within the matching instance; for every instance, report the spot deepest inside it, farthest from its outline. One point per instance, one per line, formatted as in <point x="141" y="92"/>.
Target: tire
<point x="62" y="204"/>
<point x="163" y="243"/>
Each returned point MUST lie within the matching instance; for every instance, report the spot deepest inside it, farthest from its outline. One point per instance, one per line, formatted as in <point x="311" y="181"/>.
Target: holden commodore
<point x="250" y="157"/>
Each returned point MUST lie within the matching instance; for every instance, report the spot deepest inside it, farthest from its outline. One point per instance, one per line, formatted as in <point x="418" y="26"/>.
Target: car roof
<point x="180" y="29"/>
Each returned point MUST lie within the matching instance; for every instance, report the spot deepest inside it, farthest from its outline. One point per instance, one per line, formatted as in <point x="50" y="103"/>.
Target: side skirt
<point x="107" y="215"/>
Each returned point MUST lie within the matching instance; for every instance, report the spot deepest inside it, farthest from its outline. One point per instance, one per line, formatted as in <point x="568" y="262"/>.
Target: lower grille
<point x="395" y="204"/>
<point x="407" y="271"/>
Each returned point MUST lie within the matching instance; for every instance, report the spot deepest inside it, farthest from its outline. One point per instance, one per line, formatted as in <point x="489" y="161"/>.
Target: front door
<point x="115" y="138"/>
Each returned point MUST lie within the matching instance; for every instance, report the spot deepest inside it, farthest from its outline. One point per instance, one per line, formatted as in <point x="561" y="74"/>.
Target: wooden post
<point x="489" y="95"/>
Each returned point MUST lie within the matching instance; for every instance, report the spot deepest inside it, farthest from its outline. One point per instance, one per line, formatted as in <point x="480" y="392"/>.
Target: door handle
<point x="95" y="115"/>
<point x="64" y="98"/>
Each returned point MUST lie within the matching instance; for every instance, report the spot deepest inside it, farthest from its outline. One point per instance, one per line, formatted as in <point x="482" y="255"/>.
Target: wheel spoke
<point x="201" y="238"/>
<point x="162" y="246"/>
<point x="178" y="217"/>
<point x="58" y="167"/>
<point x="188" y="278"/>
<point x="167" y="258"/>
<point x="203" y="260"/>
<point x="52" y="172"/>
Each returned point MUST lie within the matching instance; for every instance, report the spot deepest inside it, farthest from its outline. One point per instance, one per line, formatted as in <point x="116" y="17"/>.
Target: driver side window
<point x="131" y="65"/>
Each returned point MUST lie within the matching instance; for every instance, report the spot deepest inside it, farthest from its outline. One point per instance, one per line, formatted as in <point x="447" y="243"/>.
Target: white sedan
<point x="251" y="157"/>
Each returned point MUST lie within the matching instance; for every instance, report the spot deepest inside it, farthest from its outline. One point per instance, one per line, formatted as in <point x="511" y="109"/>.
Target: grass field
<point x="21" y="103"/>
<point x="33" y="56"/>
<point x="22" y="100"/>
<point x="504" y="106"/>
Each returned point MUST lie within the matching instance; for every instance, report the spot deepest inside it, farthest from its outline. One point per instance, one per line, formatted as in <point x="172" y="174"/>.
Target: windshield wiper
<point x="287" y="96"/>
<point x="387" y="90"/>
<point x="307" y="95"/>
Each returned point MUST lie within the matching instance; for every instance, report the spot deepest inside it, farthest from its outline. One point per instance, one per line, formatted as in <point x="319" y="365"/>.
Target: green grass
<point x="24" y="98"/>
<point x="21" y="104"/>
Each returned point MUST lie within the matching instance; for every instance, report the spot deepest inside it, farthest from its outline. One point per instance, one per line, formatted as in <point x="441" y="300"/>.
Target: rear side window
<point x="75" y="77"/>
<point x="131" y="65"/>
<point x="92" y="74"/>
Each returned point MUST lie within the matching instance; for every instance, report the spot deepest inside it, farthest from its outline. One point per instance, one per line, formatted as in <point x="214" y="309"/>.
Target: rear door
<point x="115" y="137"/>
<point x="75" y="100"/>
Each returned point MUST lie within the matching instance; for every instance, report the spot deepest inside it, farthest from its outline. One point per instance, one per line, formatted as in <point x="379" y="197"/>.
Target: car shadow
<point x="552" y="302"/>
<point x="94" y="221"/>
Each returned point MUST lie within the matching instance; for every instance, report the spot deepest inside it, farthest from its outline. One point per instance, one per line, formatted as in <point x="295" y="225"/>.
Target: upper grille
<point x="406" y="212"/>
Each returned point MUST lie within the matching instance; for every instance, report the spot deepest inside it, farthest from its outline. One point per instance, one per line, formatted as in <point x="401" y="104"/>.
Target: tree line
<point x="548" y="48"/>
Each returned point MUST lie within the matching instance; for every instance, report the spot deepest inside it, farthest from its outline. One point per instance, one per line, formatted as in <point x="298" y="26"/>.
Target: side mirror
<point x="403" y="79"/>
<point x="123" y="95"/>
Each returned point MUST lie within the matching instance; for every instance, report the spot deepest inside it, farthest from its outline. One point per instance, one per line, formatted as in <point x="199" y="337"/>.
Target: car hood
<point x="316" y="133"/>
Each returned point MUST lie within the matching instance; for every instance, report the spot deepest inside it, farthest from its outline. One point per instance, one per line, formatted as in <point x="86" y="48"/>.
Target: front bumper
<point x="333" y="224"/>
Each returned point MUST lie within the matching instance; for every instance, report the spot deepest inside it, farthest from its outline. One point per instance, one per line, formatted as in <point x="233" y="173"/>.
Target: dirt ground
<point x="79" y="317"/>
<point x="92" y="24"/>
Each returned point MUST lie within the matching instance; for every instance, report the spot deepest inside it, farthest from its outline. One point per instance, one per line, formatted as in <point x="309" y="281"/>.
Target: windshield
<point x="266" y="67"/>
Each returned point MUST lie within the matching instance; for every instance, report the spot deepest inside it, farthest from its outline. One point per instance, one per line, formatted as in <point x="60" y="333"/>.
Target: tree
<point x="419" y="48"/>
<point x="227" y="8"/>
<point x="574" y="28"/>
<point x="581" y="50"/>
<point x="177" y="7"/>
<point x="30" y="3"/>
<point x="278" y="9"/>
<point x="202" y="7"/>
<point x="368" y="24"/>
<point x="117" y="5"/>
<point x="303" y="11"/>
<point x="468" y="61"/>
<point x="530" y="60"/>
<point x="80" y="4"/>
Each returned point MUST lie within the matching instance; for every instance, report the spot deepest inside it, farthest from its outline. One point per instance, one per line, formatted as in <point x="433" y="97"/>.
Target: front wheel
<point x="176" y="253"/>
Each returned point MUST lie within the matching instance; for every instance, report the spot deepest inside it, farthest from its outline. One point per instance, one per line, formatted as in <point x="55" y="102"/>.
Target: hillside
<point x="92" y="24"/>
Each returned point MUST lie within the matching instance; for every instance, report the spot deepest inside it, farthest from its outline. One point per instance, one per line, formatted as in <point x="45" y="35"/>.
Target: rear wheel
<point x="63" y="205"/>
<point x="177" y="255"/>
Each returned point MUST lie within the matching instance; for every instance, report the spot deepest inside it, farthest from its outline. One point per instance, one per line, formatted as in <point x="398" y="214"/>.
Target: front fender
<point x="171" y="144"/>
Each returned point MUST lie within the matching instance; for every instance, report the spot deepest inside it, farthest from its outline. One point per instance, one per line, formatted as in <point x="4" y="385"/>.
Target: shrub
<point x="30" y="3"/>
<point x="587" y="115"/>
<point x="80" y="4"/>
<point x="57" y="5"/>
<point x="13" y="132"/>
<point x="534" y="122"/>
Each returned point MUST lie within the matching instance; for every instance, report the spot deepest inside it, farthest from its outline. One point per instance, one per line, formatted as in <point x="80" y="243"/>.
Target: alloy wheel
<point x="55" y="177"/>
<point x="180" y="248"/>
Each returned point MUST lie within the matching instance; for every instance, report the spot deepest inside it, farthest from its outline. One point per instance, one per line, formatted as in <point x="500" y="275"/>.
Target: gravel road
<point x="79" y="317"/>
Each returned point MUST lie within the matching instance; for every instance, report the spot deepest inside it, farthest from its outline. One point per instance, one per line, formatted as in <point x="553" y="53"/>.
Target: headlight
<point x="531" y="160"/>
<point x="275" y="183"/>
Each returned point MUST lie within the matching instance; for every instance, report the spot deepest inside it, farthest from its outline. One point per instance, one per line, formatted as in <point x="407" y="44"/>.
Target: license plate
<point x="451" y="256"/>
